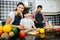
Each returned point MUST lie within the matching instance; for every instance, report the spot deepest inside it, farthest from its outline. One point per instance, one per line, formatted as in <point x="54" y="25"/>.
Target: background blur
<point x="51" y="8"/>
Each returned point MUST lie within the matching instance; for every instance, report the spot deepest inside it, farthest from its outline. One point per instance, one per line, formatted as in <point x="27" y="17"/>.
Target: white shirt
<point x="27" y="22"/>
<point x="12" y="15"/>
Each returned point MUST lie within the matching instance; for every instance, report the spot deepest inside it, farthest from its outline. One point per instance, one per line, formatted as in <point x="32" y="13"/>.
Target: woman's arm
<point x="8" y="20"/>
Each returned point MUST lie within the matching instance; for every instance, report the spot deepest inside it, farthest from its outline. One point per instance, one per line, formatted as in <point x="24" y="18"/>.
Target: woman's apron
<point x="16" y="22"/>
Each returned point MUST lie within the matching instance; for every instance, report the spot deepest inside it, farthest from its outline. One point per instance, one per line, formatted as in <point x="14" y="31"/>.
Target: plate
<point x="33" y="32"/>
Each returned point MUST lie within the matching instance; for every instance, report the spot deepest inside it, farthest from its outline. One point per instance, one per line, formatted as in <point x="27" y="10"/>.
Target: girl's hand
<point x="21" y="27"/>
<point x="42" y="21"/>
<point x="35" y="28"/>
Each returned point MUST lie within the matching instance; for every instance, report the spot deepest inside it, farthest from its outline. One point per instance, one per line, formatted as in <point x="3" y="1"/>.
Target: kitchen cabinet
<point x="58" y="18"/>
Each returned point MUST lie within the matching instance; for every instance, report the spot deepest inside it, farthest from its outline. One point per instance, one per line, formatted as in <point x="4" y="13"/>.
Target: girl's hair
<point x="26" y="10"/>
<point x="20" y="3"/>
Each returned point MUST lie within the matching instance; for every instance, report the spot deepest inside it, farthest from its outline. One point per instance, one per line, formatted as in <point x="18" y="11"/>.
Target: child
<point x="27" y="21"/>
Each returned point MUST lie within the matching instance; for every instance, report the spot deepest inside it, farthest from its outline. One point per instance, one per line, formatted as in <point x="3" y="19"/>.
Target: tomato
<point x="22" y="34"/>
<point x="57" y="29"/>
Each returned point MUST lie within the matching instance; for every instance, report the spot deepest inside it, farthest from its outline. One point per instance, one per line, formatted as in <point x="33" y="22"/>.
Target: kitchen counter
<point x="48" y="36"/>
<point x="51" y="35"/>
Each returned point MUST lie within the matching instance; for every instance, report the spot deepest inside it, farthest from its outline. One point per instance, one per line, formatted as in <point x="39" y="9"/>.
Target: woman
<point x="15" y="16"/>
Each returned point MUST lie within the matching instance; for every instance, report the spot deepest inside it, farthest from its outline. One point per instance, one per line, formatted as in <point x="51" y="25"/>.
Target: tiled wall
<point x="53" y="18"/>
<point x="7" y="6"/>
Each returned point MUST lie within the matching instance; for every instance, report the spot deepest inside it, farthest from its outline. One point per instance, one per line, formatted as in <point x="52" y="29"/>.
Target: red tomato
<point x="57" y="29"/>
<point x="22" y="34"/>
<point x="1" y="32"/>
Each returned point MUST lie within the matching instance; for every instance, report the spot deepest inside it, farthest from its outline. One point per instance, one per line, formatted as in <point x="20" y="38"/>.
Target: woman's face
<point x="20" y="8"/>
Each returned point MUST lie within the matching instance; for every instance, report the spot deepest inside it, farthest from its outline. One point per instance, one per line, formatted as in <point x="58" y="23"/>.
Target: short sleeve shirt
<point x="27" y="22"/>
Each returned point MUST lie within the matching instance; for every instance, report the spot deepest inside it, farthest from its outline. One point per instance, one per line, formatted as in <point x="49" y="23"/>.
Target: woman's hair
<point x="26" y="10"/>
<point x="20" y="3"/>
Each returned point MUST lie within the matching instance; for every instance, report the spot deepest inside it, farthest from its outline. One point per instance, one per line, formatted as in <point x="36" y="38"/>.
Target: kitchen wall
<point x="58" y="5"/>
<point x="6" y="7"/>
<point x="50" y="8"/>
<point x="48" y="5"/>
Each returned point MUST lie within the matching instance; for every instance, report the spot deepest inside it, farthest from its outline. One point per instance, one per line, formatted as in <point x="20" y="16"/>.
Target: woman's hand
<point x="8" y="20"/>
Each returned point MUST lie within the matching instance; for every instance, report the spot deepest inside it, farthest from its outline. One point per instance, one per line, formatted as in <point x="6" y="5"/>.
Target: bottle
<point x="0" y="23"/>
<point x="50" y="24"/>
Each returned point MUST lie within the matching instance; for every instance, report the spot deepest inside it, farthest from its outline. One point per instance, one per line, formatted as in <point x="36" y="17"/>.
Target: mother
<point x="15" y="16"/>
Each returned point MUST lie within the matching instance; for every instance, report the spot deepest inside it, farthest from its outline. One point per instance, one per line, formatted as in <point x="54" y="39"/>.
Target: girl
<point x="27" y="21"/>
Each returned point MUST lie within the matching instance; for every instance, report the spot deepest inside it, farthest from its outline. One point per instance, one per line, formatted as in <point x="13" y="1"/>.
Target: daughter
<point x="27" y="21"/>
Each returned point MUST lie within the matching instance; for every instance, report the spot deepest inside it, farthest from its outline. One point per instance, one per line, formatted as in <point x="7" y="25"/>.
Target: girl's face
<point x="20" y="8"/>
<point x="27" y="15"/>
